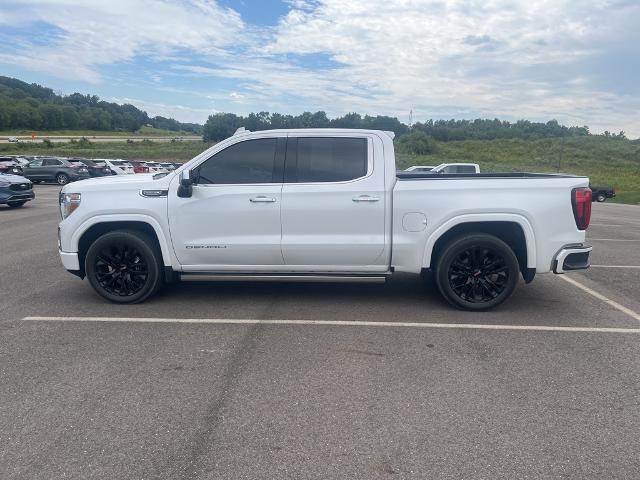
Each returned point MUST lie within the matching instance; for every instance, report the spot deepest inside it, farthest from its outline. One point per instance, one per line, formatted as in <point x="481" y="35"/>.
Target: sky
<point x="577" y="61"/>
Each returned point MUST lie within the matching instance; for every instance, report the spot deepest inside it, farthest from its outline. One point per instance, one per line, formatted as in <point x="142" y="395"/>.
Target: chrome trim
<point x="558" y="263"/>
<point x="154" y="193"/>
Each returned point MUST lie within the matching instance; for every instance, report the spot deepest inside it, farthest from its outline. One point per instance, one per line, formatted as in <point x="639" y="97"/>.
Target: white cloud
<point x="457" y="58"/>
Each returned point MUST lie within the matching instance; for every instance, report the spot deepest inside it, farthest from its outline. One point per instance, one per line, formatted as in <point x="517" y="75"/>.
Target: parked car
<point x="22" y="161"/>
<point x="420" y="168"/>
<point x="600" y="194"/>
<point x="139" y="167"/>
<point x="168" y="166"/>
<point x="10" y="165"/>
<point x="15" y="190"/>
<point x="97" y="168"/>
<point x="59" y="170"/>
<point x="446" y="168"/>
<point x="118" y="167"/>
<point x="319" y="204"/>
<point x="155" y="167"/>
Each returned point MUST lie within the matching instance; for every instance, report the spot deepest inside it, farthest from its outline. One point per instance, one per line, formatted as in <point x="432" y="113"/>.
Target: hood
<point x="9" y="178"/>
<point x="138" y="180"/>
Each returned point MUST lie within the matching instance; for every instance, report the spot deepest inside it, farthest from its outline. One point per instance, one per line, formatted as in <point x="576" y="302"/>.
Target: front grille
<point x="20" y="187"/>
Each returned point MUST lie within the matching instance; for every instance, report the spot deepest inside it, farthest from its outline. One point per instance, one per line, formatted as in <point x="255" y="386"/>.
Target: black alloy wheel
<point x="477" y="272"/>
<point x="124" y="266"/>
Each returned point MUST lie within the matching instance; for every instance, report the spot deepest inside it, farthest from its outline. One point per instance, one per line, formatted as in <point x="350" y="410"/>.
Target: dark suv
<point x="97" y="168"/>
<point x="59" y="170"/>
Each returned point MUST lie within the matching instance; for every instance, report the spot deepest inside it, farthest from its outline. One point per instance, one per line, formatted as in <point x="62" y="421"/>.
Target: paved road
<point x="104" y="138"/>
<point x="123" y="399"/>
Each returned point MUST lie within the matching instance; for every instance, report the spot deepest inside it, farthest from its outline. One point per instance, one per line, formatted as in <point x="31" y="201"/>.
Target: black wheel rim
<point x="478" y="275"/>
<point x="121" y="270"/>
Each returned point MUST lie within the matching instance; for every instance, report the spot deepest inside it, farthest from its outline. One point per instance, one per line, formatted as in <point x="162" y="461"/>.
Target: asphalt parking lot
<point x="504" y="394"/>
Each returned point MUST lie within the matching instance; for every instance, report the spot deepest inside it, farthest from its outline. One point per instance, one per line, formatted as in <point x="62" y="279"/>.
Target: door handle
<point x="365" y="198"/>
<point x="262" y="199"/>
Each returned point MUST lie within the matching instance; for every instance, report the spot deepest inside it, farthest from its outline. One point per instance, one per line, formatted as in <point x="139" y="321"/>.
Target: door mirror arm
<point x="185" y="189"/>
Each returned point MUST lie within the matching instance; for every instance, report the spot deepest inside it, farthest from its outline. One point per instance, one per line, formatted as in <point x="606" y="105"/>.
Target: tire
<point x="476" y="272"/>
<point x="601" y="197"/>
<point x="62" y="178"/>
<point x="16" y="204"/>
<point x="124" y="266"/>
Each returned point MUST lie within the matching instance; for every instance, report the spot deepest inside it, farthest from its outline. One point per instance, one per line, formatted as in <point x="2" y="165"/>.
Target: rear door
<point x="49" y="168"/>
<point x="333" y="204"/>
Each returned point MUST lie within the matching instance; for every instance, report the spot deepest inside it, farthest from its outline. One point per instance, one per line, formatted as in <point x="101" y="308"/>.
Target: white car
<point x="446" y="168"/>
<point x="321" y="204"/>
<point x="420" y="168"/>
<point x="118" y="167"/>
<point x="12" y="140"/>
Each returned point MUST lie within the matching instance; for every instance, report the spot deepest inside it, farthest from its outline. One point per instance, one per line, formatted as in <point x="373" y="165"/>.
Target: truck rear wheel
<point x="601" y="197"/>
<point x="124" y="266"/>
<point x="476" y="272"/>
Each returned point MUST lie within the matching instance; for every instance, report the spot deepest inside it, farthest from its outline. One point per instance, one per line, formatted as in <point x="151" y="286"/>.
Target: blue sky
<point x="577" y="62"/>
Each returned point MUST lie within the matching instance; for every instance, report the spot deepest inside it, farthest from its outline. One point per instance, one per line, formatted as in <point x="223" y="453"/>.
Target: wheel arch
<point x="514" y="230"/>
<point x="91" y="230"/>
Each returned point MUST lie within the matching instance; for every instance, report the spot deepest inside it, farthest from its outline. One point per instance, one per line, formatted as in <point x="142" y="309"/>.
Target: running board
<point x="253" y="277"/>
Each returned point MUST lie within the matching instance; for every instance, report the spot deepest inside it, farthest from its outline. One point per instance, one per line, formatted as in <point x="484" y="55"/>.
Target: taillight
<point x="581" y="202"/>
<point x="145" y="169"/>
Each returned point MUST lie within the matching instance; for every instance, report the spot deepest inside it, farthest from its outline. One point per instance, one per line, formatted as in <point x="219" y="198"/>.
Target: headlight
<point x="68" y="203"/>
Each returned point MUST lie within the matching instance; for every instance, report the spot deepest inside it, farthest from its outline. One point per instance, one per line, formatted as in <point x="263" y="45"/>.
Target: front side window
<point x="35" y="163"/>
<point x="251" y="161"/>
<point x="325" y="159"/>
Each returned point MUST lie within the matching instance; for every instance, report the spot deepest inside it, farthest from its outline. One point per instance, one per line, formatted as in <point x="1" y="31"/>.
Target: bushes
<point x="416" y="142"/>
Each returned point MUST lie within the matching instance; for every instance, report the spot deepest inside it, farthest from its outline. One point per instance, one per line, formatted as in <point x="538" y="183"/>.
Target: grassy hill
<point x="606" y="161"/>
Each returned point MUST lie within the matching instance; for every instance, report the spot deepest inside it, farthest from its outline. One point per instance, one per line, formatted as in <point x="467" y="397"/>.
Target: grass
<point x="604" y="161"/>
<point x="144" y="131"/>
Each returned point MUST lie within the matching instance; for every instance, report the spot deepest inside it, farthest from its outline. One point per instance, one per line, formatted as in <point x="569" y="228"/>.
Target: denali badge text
<point x="189" y="247"/>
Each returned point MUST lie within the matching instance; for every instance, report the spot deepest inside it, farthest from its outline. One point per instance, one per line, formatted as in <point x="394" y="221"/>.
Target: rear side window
<point x="51" y="161"/>
<point x="324" y="159"/>
<point x="466" y="169"/>
<point x="251" y="161"/>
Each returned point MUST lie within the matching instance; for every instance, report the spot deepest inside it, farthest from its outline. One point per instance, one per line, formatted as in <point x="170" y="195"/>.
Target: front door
<point x="232" y="220"/>
<point x="333" y="205"/>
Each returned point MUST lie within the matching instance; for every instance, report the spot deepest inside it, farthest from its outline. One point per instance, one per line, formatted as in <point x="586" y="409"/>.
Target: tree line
<point x="33" y="107"/>
<point x="223" y="125"/>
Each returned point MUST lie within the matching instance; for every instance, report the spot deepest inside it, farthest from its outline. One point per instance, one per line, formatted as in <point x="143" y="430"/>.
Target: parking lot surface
<point x="389" y="382"/>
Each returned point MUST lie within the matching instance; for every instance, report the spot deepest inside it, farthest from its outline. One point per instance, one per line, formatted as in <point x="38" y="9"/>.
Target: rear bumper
<point x="70" y="261"/>
<point x="572" y="257"/>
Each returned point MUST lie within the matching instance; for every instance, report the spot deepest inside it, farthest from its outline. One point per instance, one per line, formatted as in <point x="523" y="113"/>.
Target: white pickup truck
<point x="321" y="205"/>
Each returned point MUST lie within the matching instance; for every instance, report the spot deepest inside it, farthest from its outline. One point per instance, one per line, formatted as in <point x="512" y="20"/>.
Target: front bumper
<point x="17" y="196"/>
<point x="70" y="261"/>
<point x="572" y="257"/>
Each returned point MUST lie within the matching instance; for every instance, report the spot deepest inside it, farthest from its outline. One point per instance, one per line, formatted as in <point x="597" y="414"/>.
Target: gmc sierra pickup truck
<point x="321" y="205"/>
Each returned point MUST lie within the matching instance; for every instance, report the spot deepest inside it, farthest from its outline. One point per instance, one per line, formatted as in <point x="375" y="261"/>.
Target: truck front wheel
<point x="476" y="272"/>
<point x="124" y="266"/>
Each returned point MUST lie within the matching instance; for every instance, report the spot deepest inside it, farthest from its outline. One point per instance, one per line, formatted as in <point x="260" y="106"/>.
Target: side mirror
<point x="185" y="189"/>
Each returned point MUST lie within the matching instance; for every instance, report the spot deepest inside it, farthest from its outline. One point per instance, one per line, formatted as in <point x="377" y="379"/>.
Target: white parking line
<point x="613" y="240"/>
<point x="615" y="266"/>
<point x="337" y="323"/>
<point x="599" y="296"/>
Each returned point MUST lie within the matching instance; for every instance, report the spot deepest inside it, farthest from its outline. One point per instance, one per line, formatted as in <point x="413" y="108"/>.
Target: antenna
<point x="410" y="117"/>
